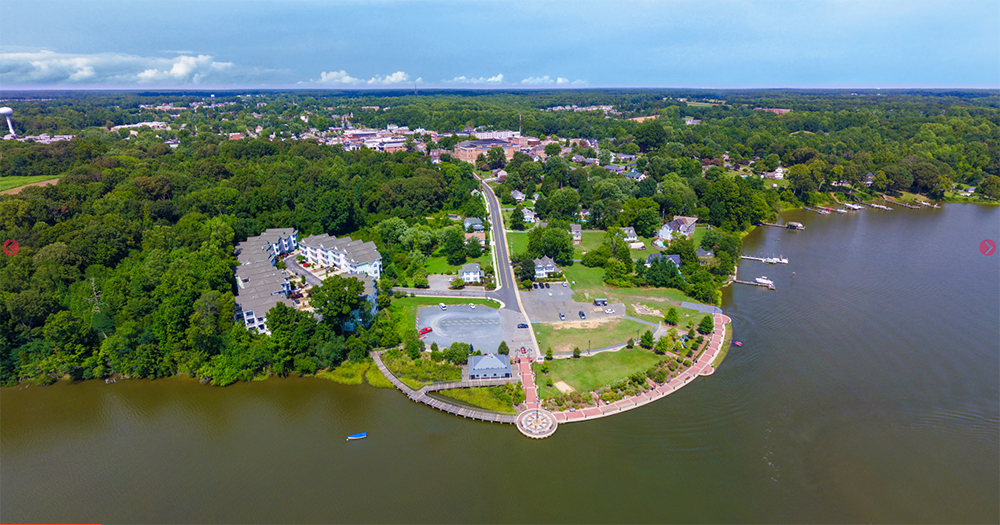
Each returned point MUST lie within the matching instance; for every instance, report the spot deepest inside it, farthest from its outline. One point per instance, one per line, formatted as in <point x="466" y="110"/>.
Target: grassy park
<point x="439" y="264"/>
<point x="565" y="336"/>
<point x="590" y="373"/>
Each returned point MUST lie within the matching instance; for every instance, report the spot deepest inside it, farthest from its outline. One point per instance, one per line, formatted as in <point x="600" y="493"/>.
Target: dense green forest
<point x="126" y="264"/>
<point x="152" y="234"/>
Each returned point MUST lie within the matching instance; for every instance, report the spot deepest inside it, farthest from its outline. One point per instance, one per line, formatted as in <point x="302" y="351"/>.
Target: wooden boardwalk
<point x="421" y="396"/>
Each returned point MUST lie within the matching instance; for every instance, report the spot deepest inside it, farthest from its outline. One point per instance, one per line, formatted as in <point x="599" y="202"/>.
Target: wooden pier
<point x="929" y="205"/>
<point x="755" y="283"/>
<point x="765" y="260"/>
<point x="422" y="395"/>
<point x="905" y="205"/>
<point x="789" y="226"/>
<point x="818" y="210"/>
<point x="878" y="206"/>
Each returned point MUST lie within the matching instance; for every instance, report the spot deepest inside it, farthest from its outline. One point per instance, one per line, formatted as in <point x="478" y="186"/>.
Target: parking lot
<point x="479" y="326"/>
<point x="544" y="305"/>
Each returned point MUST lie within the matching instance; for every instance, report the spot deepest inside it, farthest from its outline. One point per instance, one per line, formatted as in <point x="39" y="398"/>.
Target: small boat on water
<point x="359" y="435"/>
<point x="764" y="280"/>
<point x="850" y="206"/>
<point x="737" y="343"/>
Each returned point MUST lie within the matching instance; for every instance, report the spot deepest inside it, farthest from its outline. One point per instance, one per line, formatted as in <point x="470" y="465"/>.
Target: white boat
<point x="783" y="260"/>
<point x="850" y="206"/>
<point x="840" y="210"/>
<point x="764" y="280"/>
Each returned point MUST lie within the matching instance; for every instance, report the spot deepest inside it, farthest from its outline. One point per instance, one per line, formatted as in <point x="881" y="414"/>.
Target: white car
<point x="443" y="307"/>
<point x="472" y="306"/>
<point x="609" y="311"/>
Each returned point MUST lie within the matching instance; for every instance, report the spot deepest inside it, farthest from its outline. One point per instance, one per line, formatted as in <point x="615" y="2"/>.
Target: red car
<point x="425" y="330"/>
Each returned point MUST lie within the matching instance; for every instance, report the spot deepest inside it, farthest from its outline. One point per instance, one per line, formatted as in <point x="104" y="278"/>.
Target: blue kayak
<point x="360" y="435"/>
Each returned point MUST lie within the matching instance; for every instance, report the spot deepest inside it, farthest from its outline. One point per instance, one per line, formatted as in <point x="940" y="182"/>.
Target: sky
<point x="316" y="44"/>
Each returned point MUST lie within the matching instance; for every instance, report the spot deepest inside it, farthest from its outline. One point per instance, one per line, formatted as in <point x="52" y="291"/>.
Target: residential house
<point x="579" y="159"/>
<point x="634" y="175"/>
<point x="472" y="273"/>
<point x="869" y="179"/>
<point x="544" y="267"/>
<point x="489" y="366"/>
<point x="479" y="236"/>
<point x="630" y="235"/>
<point x="517" y="195"/>
<point x="704" y="256"/>
<point x="345" y="254"/>
<point x="622" y="157"/>
<point x="777" y="174"/>
<point x="529" y="215"/>
<point x="680" y="225"/>
<point x="577" y="231"/>
<point x="688" y="121"/>
<point x="674" y="258"/>
<point x="474" y="222"/>
<point x="617" y="170"/>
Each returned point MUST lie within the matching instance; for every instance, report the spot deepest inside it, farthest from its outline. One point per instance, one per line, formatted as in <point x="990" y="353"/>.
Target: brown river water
<point x="867" y="390"/>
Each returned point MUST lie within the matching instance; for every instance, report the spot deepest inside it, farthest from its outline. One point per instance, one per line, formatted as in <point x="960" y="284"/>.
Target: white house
<point x="529" y="215"/>
<point x="577" y="231"/>
<point x="544" y="267"/>
<point x="260" y="285"/>
<point x="475" y="222"/>
<point x="680" y="225"/>
<point x="630" y="235"/>
<point x="517" y="196"/>
<point x="472" y="273"/>
<point x="345" y="254"/>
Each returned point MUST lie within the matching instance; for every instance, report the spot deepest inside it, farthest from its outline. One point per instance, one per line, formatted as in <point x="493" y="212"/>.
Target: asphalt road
<point x="294" y="267"/>
<point x="507" y="290"/>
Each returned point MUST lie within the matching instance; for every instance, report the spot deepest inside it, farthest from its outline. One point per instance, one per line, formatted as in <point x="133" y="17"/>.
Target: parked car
<point x="443" y="306"/>
<point x="547" y="285"/>
<point x="426" y="330"/>
<point x="562" y="316"/>
<point x="565" y="284"/>
<point x="609" y="311"/>
<point x="472" y="306"/>
<point x="522" y="325"/>
<point x="524" y="350"/>
<point x="582" y="315"/>
<point x="534" y="285"/>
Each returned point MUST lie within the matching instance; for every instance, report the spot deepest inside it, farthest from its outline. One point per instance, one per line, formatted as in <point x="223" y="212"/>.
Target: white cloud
<point x="538" y="80"/>
<point x="394" y="78"/>
<point x="49" y="67"/>
<point x="338" y="77"/>
<point x="496" y="79"/>
<point x="341" y="77"/>
<point x="562" y="80"/>
<point x="579" y="82"/>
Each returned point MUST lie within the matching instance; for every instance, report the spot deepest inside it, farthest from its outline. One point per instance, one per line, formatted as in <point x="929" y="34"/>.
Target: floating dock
<point x="879" y="206"/>
<point x="929" y="205"/>
<point x="818" y="210"/>
<point x="754" y="283"/>
<point x="905" y="205"/>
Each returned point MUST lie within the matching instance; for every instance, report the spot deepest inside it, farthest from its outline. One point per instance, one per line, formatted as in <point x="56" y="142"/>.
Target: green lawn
<point x="726" y="343"/>
<point x="404" y="310"/>
<point x="481" y="397"/>
<point x="608" y="333"/>
<point x="439" y="264"/>
<point x="517" y="242"/>
<point x="590" y="373"/>
<point x="589" y="241"/>
<point x="7" y="183"/>
<point x="584" y="279"/>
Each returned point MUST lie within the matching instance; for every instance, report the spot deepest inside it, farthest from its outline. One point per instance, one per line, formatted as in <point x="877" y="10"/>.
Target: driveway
<point x="294" y="267"/>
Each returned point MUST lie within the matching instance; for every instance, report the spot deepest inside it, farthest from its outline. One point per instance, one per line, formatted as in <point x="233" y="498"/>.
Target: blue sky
<point x="499" y="44"/>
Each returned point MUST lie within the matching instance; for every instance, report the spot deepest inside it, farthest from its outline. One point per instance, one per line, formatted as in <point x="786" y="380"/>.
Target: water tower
<point x="7" y="112"/>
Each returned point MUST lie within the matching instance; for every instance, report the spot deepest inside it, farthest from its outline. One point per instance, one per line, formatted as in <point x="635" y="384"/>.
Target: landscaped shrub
<point x="687" y="362"/>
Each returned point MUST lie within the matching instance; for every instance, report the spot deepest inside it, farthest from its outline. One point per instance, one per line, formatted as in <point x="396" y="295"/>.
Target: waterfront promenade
<point x="701" y="367"/>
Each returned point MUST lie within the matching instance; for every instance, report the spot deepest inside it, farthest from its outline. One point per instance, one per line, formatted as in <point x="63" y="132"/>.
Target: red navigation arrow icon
<point x="10" y="247"/>
<point x="988" y="247"/>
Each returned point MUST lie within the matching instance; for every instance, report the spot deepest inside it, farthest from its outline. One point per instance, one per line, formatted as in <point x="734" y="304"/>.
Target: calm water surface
<point x="867" y="390"/>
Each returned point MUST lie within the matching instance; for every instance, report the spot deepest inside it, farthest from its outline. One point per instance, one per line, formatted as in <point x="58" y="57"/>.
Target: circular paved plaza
<point x="537" y="423"/>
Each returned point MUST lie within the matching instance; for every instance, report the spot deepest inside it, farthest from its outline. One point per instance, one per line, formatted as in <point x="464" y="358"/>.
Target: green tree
<point x="337" y="298"/>
<point x="650" y="135"/>
<point x="457" y="283"/>
<point x="454" y="246"/>
<point x="671" y="317"/>
<point x="496" y="158"/>
<point x="414" y="347"/>
<point x="706" y="325"/>
<point x="576" y="352"/>
<point x="503" y="349"/>
<point x="548" y="354"/>
<point x="552" y="149"/>
<point x="989" y="187"/>
<point x="517" y="219"/>
<point x="458" y="353"/>
<point x="647" y="339"/>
